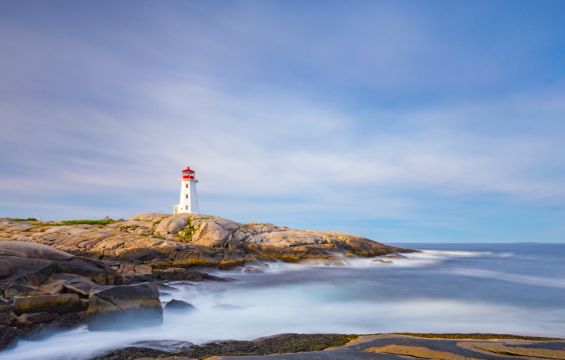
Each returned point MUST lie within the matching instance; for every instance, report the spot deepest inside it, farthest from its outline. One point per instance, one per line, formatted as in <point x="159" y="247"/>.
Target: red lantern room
<point x="188" y="174"/>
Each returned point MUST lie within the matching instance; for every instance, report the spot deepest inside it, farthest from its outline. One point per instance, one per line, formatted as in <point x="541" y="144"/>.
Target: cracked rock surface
<point x="185" y="240"/>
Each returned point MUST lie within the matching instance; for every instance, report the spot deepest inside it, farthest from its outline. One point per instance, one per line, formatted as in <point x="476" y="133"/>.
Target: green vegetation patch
<point x="21" y="219"/>
<point x="187" y="232"/>
<point x="105" y="221"/>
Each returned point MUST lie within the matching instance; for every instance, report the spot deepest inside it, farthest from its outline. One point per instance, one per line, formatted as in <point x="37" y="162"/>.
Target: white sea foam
<point x="515" y="278"/>
<point x="247" y="313"/>
<point x="457" y="253"/>
<point x="416" y="259"/>
<point x="311" y="298"/>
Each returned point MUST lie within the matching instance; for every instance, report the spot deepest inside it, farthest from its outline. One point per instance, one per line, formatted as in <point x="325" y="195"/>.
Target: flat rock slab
<point x="403" y="347"/>
<point x="61" y="304"/>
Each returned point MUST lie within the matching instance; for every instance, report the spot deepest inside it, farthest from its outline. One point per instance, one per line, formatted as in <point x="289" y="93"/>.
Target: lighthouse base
<point x="180" y="209"/>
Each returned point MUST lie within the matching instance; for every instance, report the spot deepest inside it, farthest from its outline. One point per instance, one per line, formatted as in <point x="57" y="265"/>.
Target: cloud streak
<point x="371" y="115"/>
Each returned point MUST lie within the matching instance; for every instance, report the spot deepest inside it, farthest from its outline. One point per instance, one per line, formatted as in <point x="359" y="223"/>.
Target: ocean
<point x="495" y="288"/>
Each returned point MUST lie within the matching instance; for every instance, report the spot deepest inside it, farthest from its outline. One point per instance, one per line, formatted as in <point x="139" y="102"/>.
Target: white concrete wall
<point x="188" y="198"/>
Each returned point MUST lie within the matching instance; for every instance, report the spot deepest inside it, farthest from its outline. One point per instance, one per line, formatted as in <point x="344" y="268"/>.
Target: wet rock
<point x="71" y="319"/>
<point x="383" y="261"/>
<point x="8" y="335"/>
<point x="396" y="256"/>
<point x="134" y="273"/>
<point x="162" y="286"/>
<point x="251" y="269"/>
<point x="174" y="346"/>
<point x="93" y="269"/>
<point x="36" y="318"/>
<point x="180" y="274"/>
<point x="124" y="306"/>
<point x="61" y="304"/>
<point x="179" y="305"/>
<point x="75" y="283"/>
<point x="6" y="319"/>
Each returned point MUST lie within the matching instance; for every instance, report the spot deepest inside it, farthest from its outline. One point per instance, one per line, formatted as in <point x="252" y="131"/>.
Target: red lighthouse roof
<point x="188" y="173"/>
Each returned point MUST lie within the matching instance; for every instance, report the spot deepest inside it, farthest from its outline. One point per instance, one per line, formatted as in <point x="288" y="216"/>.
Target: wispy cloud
<point x="378" y="113"/>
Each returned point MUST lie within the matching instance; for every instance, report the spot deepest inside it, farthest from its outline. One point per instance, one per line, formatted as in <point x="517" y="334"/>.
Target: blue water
<point x="502" y="288"/>
<point x="529" y="275"/>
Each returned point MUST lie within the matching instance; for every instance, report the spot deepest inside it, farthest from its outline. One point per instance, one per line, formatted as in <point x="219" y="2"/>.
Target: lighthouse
<point x="188" y="196"/>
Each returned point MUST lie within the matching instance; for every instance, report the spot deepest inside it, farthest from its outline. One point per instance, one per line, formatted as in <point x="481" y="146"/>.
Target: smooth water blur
<point x="509" y="288"/>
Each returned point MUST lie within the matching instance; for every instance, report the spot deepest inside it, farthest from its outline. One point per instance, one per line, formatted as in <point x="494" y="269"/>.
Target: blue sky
<point x="404" y="121"/>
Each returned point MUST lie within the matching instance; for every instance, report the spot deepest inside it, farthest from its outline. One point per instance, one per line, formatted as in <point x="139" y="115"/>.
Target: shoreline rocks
<point x="344" y="346"/>
<point x="61" y="274"/>
<point x="43" y="289"/>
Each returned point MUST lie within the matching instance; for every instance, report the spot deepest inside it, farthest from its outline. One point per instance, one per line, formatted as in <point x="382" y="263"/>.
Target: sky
<point x="402" y="121"/>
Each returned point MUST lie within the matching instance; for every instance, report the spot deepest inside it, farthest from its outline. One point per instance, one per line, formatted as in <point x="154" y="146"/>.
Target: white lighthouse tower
<point x="188" y="196"/>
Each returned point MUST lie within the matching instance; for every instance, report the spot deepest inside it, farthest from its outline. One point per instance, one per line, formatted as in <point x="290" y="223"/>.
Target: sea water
<point x="503" y="288"/>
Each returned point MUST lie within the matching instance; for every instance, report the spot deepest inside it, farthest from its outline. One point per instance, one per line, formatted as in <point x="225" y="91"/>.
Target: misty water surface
<point x="518" y="288"/>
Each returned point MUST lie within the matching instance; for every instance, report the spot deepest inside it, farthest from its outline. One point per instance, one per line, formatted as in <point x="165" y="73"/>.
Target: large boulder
<point x="172" y="224"/>
<point x="29" y="268"/>
<point x="214" y="232"/>
<point x="124" y="306"/>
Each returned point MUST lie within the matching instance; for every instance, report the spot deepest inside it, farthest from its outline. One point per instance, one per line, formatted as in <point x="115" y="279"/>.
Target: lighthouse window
<point x="186" y="207"/>
<point x="186" y="185"/>
<point x="186" y="196"/>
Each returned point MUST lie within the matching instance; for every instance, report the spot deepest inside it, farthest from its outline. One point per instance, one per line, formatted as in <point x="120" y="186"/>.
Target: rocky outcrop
<point x="119" y="307"/>
<point x="178" y="305"/>
<point x="163" y="241"/>
<point x="36" y="269"/>
<point x="42" y="288"/>
<point x="61" y="273"/>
